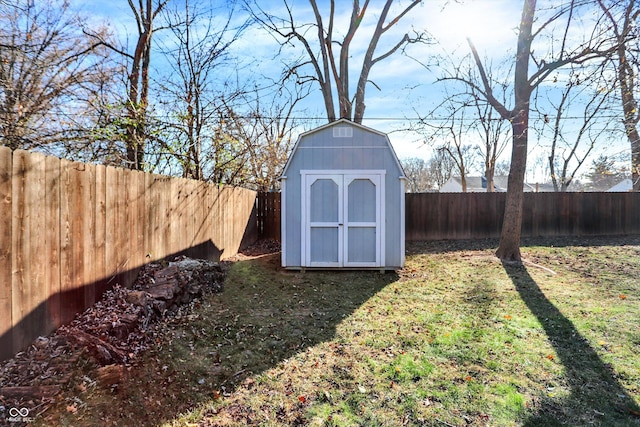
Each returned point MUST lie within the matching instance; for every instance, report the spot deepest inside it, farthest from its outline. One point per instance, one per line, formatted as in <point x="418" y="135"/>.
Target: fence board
<point x="139" y="221"/>
<point x="153" y="236"/>
<point x="127" y="232"/>
<point x="72" y="261"/>
<point x="28" y="294"/>
<point x="86" y="209"/>
<point x="51" y="236"/>
<point x="6" y="335"/>
<point x="100" y="278"/>
<point x="167" y="206"/>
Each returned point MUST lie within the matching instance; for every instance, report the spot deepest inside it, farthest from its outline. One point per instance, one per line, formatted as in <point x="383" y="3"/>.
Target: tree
<point x="50" y="76"/>
<point x="470" y="117"/>
<point x="138" y="100"/>
<point x="441" y="167"/>
<point x="524" y="84"/>
<point x="330" y="58"/>
<point x="586" y="90"/>
<point x="449" y="134"/>
<point x="494" y="138"/>
<point x="198" y="46"/>
<point x="604" y="174"/>
<point x="626" y="61"/>
<point x="268" y="134"/>
<point x="136" y="105"/>
<point x="419" y="177"/>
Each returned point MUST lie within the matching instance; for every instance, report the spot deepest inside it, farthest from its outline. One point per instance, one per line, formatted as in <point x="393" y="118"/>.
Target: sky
<point x="407" y="84"/>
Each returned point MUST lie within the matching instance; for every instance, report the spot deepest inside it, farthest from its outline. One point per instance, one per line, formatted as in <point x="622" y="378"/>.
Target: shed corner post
<point x="283" y="221"/>
<point x="403" y="182"/>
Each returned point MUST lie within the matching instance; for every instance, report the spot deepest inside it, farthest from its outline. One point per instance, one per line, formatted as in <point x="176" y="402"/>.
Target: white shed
<point x="343" y="200"/>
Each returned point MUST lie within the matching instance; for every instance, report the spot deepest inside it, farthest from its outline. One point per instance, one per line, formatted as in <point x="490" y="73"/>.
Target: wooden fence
<point x="436" y="216"/>
<point x="439" y="216"/>
<point x="268" y="215"/>
<point x="69" y="231"/>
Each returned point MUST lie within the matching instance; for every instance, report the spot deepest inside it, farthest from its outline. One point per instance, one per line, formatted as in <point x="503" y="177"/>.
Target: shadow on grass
<point x="264" y="316"/>
<point x="596" y="397"/>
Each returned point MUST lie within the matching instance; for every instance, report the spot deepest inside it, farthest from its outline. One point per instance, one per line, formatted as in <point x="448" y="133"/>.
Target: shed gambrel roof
<point x="337" y="123"/>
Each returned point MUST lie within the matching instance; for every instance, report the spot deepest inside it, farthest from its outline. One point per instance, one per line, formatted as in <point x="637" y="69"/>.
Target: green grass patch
<point x="455" y="338"/>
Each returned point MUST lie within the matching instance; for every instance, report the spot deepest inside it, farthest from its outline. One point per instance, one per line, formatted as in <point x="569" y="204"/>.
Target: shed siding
<point x="365" y="150"/>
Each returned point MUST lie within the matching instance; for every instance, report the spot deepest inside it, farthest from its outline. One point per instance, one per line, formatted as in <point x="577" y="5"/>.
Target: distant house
<point x="475" y="184"/>
<point x="623" y="186"/>
<point x="478" y="184"/>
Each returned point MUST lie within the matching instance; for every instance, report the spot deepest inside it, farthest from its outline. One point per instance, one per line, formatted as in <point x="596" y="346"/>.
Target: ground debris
<point x="111" y="333"/>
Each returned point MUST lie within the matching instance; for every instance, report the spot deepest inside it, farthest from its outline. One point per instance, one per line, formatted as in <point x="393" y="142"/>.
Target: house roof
<point x="474" y="183"/>
<point x="500" y="183"/>
<point x="343" y="122"/>
<point x="623" y="186"/>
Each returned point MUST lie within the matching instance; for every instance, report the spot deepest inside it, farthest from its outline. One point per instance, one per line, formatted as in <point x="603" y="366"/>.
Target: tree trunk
<point x="631" y="116"/>
<point x="489" y="173"/>
<point x="509" y="248"/>
<point x="635" y="160"/>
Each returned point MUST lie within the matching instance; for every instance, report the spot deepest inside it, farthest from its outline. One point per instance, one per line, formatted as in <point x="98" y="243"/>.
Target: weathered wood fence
<point x="439" y="216"/>
<point x="436" y="216"/>
<point x="69" y="231"/>
<point x="268" y="215"/>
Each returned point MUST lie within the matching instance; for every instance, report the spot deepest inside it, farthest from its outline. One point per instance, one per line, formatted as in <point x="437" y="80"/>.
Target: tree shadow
<point x="595" y="393"/>
<point x="264" y="316"/>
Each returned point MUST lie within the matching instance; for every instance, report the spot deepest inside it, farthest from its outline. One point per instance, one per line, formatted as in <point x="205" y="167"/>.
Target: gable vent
<point x="342" y="132"/>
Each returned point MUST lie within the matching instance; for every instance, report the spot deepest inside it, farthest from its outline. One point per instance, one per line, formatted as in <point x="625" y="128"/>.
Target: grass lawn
<point x="454" y="339"/>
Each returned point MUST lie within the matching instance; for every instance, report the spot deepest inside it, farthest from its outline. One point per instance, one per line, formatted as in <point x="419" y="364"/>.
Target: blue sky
<point x="406" y="86"/>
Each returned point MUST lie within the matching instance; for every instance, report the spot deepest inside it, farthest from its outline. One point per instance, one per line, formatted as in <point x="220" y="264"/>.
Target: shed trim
<point x="283" y="222"/>
<point x="342" y="171"/>
<point x="343" y="147"/>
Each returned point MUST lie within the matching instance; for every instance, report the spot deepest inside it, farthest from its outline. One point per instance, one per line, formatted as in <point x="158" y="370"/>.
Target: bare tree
<point x="526" y="79"/>
<point x="330" y="58"/>
<point x="268" y="134"/>
<point x="441" y="167"/>
<point x="570" y="147"/>
<point x="192" y="92"/>
<point x="145" y="13"/>
<point x="419" y="176"/>
<point x="449" y="135"/>
<point x="135" y="124"/>
<point x="50" y="76"/>
<point x="622" y="21"/>
<point x="491" y="131"/>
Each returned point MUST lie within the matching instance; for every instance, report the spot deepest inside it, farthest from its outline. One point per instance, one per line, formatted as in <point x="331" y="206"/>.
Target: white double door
<point x="342" y="217"/>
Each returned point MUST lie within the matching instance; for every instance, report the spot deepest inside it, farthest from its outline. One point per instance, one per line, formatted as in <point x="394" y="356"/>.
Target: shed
<point x="343" y="200"/>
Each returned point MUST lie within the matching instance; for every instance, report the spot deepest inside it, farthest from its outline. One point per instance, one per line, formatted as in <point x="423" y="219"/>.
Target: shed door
<point x="342" y="220"/>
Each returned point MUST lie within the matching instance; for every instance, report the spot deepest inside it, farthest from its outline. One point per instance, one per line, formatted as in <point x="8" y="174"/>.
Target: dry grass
<point x="456" y="338"/>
